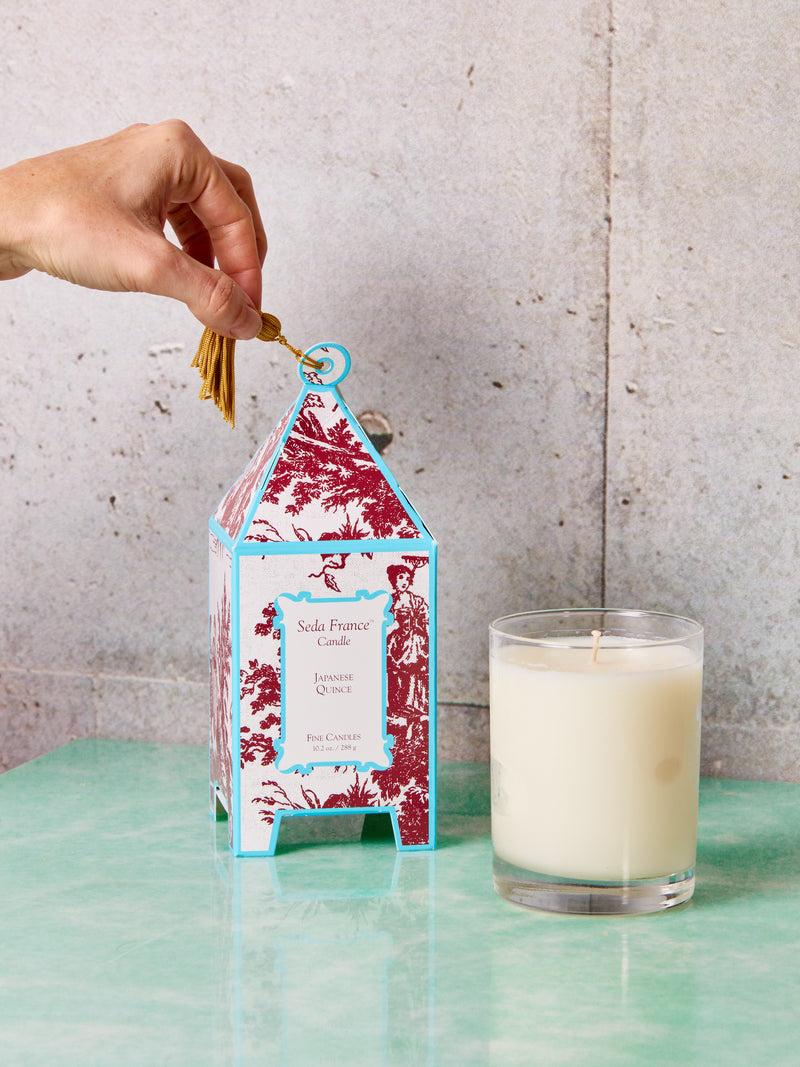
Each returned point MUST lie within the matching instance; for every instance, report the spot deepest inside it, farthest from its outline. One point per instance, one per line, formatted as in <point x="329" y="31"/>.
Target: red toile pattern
<point x="261" y="691"/>
<point x="317" y="516"/>
<point x="234" y="506"/>
<point x="220" y="666"/>
<point x="326" y="485"/>
<point x="404" y="785"/>
<point x="357" y="795"/>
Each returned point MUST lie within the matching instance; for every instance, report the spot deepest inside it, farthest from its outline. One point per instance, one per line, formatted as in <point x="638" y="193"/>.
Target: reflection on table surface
<point x="132" y="935"/>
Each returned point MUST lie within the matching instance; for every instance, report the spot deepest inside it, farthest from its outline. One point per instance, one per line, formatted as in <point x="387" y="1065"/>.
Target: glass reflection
<point x="326" y="954"/>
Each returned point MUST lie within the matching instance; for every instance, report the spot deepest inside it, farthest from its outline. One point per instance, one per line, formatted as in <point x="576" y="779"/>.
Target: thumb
<point x="212" y="296"/>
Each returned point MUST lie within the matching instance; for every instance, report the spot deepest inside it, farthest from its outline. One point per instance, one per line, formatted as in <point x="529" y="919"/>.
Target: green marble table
<point x="130" y="935"/>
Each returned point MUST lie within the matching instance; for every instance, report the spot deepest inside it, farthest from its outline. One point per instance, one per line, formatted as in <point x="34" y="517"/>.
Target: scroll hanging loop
<point x="214" y="360"/>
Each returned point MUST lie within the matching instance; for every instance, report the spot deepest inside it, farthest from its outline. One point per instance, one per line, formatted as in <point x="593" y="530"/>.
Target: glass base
<point x="577" y="897"/>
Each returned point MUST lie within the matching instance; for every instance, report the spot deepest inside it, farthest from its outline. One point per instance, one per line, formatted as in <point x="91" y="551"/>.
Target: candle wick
<point x="595" y="644"/>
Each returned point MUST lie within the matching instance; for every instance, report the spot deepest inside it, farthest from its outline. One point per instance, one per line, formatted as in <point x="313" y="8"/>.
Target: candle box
<point x="322" y="591"/>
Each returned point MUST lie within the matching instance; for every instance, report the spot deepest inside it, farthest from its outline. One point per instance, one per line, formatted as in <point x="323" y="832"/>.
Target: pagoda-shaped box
<point x="322" y="605"/>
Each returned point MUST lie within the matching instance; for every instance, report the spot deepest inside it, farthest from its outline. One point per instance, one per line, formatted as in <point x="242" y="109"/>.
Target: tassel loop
<point x="271" y="331"/>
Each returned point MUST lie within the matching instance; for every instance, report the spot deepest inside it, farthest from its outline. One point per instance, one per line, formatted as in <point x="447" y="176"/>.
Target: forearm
<point x="13" y="261"/>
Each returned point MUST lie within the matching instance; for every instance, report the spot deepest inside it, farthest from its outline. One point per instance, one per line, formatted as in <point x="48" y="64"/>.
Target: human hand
<point x="95" y="215"/>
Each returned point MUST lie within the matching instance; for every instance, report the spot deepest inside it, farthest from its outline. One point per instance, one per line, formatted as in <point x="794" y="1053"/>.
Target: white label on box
<point x="333" y="688"/>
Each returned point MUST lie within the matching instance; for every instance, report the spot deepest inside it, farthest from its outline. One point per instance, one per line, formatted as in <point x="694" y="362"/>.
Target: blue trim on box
<point x="212" y="781"/>
<point x="389" y="810"/>
<point x="379" y="462"/>
<point x="265" y="477"/>
<point x="275" y="453"/>
<point x="238" y="547"/>
<point x="433" y="706"/>
<point x="294" y="411"/>
<point x="314" y="387"/>
<point x="387" y="739"/>
<point x="334" y="374"/>
<point x="222" y="536"/>
<point x="333" y="548"/>
<point x="236" y="710"/>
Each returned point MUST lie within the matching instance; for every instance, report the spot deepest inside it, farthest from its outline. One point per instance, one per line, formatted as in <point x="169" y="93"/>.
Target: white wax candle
<point x="595" y="764"/>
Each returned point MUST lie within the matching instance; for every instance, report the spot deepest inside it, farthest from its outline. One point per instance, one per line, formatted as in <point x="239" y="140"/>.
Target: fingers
<point x="211" y="295"/>
<point x="228" y="211"/>
<point x="242" y="183"/>
<point x="192" y="234"/>
<point x="194" y="237"/>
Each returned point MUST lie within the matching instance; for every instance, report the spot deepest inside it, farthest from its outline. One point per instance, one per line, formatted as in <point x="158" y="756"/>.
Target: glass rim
<point x="692" y="629"/>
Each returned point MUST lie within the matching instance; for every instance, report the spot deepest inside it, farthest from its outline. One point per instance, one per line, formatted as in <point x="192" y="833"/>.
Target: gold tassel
<point x="214" y="359"/>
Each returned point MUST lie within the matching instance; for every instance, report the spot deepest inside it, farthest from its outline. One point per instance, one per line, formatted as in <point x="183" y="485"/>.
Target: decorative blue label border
<point x="386" y="738"/>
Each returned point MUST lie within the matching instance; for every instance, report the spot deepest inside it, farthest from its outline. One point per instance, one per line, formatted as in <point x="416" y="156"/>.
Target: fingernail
<point x="248" y="325"/>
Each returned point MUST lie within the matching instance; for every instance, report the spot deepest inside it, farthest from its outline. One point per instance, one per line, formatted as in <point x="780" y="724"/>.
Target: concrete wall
<point x="559" y="239"/>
